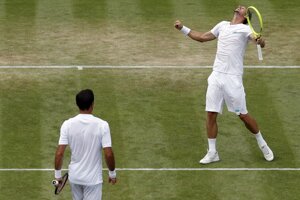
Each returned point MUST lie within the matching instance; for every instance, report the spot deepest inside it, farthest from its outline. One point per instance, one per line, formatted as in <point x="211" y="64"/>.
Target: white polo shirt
<point x="232" y="42"/>
<point x="86" y="135"/>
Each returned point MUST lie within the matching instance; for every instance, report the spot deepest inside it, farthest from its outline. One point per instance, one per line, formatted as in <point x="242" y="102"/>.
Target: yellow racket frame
<point x="256" y="34"/>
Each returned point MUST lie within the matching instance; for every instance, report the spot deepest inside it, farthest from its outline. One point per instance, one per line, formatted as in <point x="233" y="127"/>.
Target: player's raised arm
<point x="195" y="35"/>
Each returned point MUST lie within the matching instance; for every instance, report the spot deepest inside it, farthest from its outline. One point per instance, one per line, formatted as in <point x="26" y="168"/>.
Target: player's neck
<point x="88" y="111"/>
<point x="237" y="19"/>
<point x="85" y="112"/>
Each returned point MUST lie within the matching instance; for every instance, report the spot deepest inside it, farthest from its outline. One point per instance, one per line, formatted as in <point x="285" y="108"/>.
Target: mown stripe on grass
<point x="20" y="126"/>
<point x="137" y="67"/>
<point x="264" y="93"/>
<point x="164" y="169"/>
<point x="262" y="104"/>
<point x="58" y="104"/>
<point x="93" y="11"/>
<point x="283" y="87"/>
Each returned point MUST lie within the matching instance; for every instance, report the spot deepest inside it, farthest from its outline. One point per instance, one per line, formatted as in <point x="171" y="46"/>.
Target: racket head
<point x="255" y="21"/>
<point x="61" y="184"/>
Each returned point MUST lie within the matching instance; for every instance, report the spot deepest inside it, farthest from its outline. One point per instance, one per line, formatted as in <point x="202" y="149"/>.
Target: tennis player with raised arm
<point x="87" y="136"/>
<point x="225" y="83"/>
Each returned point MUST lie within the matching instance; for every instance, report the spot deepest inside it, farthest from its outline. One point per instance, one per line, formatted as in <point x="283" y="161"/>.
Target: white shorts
<point x="225" y="88"/>
<point x="86" y="192"/>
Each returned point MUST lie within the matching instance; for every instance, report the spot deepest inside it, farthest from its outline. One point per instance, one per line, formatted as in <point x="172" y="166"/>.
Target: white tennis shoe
<point x="210" y="157"/>
<point x="268" y="153"/>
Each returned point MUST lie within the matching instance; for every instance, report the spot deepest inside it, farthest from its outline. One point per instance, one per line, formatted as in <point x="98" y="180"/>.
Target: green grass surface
<point x="157" y="120"/>
<point x="134" y="32"/>
<point x="156" y="116"/>
<point x="165" y="185"/>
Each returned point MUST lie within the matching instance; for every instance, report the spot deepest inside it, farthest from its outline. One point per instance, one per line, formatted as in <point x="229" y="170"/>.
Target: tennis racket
<point x="59" y="185"/>
<point x="256" y="25"/>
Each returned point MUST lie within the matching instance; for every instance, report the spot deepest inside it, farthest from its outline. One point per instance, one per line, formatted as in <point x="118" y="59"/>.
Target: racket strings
<point x="255" y="21"/>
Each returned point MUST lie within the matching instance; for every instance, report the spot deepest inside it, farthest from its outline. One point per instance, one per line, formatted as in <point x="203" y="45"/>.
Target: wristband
<point x="112" y="174"/>
<point x="185" y="30"/>
<point x="57" y="174"/>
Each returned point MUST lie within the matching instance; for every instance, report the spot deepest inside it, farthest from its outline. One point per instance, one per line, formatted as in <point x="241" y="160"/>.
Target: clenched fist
<point x="178" y="25"/>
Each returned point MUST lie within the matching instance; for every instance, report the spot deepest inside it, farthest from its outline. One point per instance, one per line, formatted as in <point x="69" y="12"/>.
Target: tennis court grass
<point x="156" y="116"/>
<point x="134" y="32"/>
<point x="165" y="185"/>
<point x="157" y="121"/>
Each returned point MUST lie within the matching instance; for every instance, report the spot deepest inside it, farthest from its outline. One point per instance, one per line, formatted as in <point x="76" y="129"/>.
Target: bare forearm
<point x="110" y="161"/>
<point x="109" y="158"/>
<point x="195" y="35"/>
<point x="59" y="155"/>
<point x="58" y="162"/>
<point x="199" y="36"/>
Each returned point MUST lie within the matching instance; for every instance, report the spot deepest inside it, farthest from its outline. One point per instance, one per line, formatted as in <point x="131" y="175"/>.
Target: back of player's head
<point x="249" y="14"/>
<point x="84" y="99"/>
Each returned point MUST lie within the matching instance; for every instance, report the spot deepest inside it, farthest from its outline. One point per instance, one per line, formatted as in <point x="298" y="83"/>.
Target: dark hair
<point x="249" y="14"/>
<point x="84" y="99"/>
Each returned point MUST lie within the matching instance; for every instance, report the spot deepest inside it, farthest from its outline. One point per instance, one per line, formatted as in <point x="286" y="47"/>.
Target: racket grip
<point x="55" y="182"/>
<point x="259" y="52"/>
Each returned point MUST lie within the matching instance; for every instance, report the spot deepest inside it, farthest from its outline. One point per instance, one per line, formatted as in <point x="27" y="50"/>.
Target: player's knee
<point x="243" y="117"/>
<point x="212" y="117"/>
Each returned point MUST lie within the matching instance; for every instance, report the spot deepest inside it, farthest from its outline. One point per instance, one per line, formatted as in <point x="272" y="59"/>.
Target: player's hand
<point x="56" y="182"/>
<point x="112" y="180"/>
<point x="261" y="42"/>
<point x="112" y="177"/>
<point x="178" y="25"/>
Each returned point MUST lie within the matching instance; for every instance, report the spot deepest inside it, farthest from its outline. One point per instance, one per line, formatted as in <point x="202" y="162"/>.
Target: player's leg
<point x="77" y="191"/>
<point x="250" y="123"/>
<point x="235" y="99"/>
<point x="93" y="192"/>
<point x="214" y="105"/>
<point x="211" y="125"/>
<point x="252" y="126"/>
<point x="212" y="131"/>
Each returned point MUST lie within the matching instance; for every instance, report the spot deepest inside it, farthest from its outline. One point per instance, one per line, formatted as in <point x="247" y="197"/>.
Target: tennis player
<point x="225" y="83"/>
<point x="86" y="135"/>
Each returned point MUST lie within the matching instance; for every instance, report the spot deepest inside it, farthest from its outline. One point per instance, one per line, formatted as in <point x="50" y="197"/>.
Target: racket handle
<point x="259" y="52"/>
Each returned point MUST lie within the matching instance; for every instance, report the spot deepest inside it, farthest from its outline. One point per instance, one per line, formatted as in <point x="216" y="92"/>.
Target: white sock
<point x="260" y="140"/>
<point x="212" y="144"/>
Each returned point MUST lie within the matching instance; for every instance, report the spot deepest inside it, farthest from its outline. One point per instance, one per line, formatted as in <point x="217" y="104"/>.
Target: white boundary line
<point x="168" y="169"/>
<point x="137" y="67"/>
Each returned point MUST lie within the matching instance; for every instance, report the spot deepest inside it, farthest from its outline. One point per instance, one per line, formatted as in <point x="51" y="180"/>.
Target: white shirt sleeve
<point x="216" y="30"/>
<point x="106" y="138"/>
<point x="249" y="32"/>
<point x="63" y="139"/>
